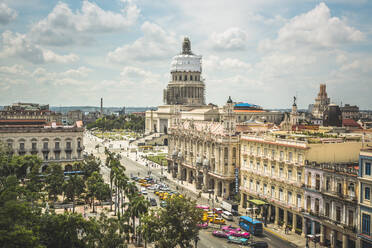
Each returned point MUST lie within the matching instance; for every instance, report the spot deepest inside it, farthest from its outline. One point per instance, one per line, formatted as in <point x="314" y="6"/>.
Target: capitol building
<point x="184" y="98"/>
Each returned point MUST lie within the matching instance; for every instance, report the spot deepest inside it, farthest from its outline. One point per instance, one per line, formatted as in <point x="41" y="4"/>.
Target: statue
<point x="294" y="100"/>
<point x="186" y="46"/>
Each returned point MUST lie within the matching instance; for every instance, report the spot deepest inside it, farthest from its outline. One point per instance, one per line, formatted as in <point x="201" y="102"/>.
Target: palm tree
<point x="137" y="206"/>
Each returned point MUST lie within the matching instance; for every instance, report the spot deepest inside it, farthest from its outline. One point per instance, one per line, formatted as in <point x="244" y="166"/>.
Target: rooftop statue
<point x="186" y="46"/>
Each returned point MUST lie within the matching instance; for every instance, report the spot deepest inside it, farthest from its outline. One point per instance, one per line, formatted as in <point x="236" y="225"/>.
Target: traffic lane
<point x="207" y="239"/>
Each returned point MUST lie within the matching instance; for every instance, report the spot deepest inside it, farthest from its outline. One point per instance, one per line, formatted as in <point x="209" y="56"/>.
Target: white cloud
<point x="315" y="28"/>
<point x="50" y="56"/>
<point x="14" y="70"/>
<point x="80" y="72"/>
<point x="18" y="45"/>
<point x="6" y="14"/>
<point x="155" y="44"/>
<point x="63" y="27"/>
<point x="231" y="39"/>
<point x="71" y="76"/>
<point x="214" y="63"/>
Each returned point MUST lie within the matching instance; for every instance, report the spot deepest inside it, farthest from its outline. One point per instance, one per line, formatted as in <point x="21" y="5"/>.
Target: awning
<point x="257" y="202"/>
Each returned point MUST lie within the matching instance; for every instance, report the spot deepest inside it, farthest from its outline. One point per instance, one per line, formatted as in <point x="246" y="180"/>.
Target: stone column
<point x="344" y="241"/>
<point x="304" y="227"/>
<point x="276" y="222"/>
<point x="313" y="227"/>
<point x="285" y="220"/>
<point x="333" y="239"/>
<point x="294" y="222"/>
<point x="269" y="213"/>
<point x="322" y="234"/>
<point x="187" y="175"/>
<point x="205" y="180"/>
<point x="179" y="171"/>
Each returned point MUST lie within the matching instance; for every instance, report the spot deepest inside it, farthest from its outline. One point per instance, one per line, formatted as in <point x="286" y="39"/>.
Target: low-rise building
<point x="61" y="144"/>
<point x="364" y="199"/>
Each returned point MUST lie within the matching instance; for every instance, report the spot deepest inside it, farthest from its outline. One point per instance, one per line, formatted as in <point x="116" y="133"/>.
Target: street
<point x="207" y="240"/>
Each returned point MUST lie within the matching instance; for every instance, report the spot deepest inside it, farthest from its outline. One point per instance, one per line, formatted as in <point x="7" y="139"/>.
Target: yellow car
<point x="219" y="221"/>
<point x="142" y="181"/>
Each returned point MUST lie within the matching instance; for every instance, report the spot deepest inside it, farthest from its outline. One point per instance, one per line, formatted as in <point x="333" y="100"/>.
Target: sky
<point x="72" y="53"/>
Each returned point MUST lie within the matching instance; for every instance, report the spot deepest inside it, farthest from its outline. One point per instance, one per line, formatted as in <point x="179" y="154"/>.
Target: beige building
<point x="204" y="154"/>
<point x="273" y="170"/>
<point x="61" y="144"/>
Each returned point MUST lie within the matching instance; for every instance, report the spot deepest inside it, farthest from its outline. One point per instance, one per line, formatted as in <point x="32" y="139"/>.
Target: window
<point x="281" y="155"/>
<point x="351" y="218"/>
<point x="257" y="186"/>
<point x="273" y="153"/>
<point x="327" y="209"/>
<point x="190" y="77"/>
<point x="338" y="214"/>
<point x="251" y="164"/>
<point x="281" y="172"/>
<point x="33" y="145"/>
<point x="290" y="156"/>
<point x="366" y="224"/>
<point x="299" y="158"/>
<point x="245" y="181"/>
<point x="265" y="189"/>
<point x="45" y="145"/>
<point x="265" y="151"/>
<point x="68" y="155"/>
<point x="57" y="145"/>
<point x="258" y="150"/>
<point x="272" y="192"/>
<point x="298" y="200"/>
<point x="185" y="77"/>
<point x="234" y="153"/>
<point x="272" y="170"/>
<point x="68" y="144"/>
<point x="328" y="185"/>
<point x="258" y="166"/>
<point x="289" y="174"/>
<point x="299" y="175"/>
<point x="226" y="153"/>
<point x="251" y="149"/>
<point x="251" y="184"/>
<point x="289" y="200"/>
<point x="21" y="146"/>
<point x="281" y="194"/>
<point x="368" y="169"/>
<point x="367" y="193"/>
<point x="57" y="157"/>
<point x="79" y="143"/>
<point x="265" y="168"/>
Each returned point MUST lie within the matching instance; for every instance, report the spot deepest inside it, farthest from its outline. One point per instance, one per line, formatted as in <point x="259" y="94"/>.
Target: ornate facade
<point x="52" y="144"/>
<point x="204" y="154"/>
<point x="321" y="102"/>
<point x="331" y="202"/>
<point x="275" y="169"/>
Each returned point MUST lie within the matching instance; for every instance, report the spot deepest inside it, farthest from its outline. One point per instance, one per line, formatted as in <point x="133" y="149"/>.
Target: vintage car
<point x="203" y="225"/>
<point x="230" y="228"/>
<point x="220" y="234"/>
<point x="219" y="221"/>
<point x="236" y="240"/>
<point x="239" y="234"/>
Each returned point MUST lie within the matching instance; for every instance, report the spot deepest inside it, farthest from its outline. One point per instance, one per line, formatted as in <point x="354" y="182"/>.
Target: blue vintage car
<point x="237" y="240"/>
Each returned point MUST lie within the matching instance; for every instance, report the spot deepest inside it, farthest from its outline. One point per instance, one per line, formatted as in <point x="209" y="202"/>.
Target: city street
<point x="135" y="168"/>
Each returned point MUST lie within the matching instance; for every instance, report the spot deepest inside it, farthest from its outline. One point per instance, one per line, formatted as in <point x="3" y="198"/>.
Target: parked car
<point x="239" y="234"/>
<point x="231" y="228"/>
<point x="143" y="191"/>
<point x="218" y="210"/>
<point x="203" y="225"/>
<point x="163" y="204"/>
<point x="227" y="215"/>
<point x="259" y="244"/>
<point x="219" y="221"/>
<point x="220" y="234"/>
<point x="236" y="240"/>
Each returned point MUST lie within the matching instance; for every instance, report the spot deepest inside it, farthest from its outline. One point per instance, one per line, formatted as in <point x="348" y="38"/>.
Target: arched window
<point x="190" y="77"/>
<point x="185" y="77"/>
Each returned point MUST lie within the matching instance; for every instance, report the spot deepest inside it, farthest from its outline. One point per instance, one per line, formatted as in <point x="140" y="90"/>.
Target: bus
<point x="251" y="225"/>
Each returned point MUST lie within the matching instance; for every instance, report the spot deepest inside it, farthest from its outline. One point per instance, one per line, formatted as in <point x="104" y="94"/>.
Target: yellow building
<point x="273" y="170"/>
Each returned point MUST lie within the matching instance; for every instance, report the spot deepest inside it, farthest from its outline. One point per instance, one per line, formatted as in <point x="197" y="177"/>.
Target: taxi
<point x="219" y="221"/>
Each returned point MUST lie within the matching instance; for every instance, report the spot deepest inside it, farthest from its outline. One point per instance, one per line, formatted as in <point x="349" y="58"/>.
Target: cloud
<point x="231" y="39"/>
<point x="18" y="45"/>
<point x="213" y="63"/>
<point x="71" y="76"/>
<point x="316" y="28"/>
<point x="64" y="27"/>
<point x="6" y="14"/>
<point x="155" y="44"/>
<point x="16" y="70"/>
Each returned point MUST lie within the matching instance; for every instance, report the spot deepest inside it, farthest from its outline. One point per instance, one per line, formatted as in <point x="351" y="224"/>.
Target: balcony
<point x="34" y="150"/>
<point x="68" y="149"/>
<point x="57" y="149"/>
<point x="21" y="151"/>
<point x="45" y="149"/>
<point x="80" y="148"/>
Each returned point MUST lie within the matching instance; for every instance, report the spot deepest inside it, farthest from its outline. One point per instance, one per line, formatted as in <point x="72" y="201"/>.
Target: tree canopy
<point x="110" y="122"/>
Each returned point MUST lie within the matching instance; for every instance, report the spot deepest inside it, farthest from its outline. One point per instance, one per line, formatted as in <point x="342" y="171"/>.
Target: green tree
<point x="54" y="180"/>
<point x="174" y="225"/>
<point x="95" y="185"/>
<point x="73" y="187"/>
<point x="137" y="206"/>
<point x="89" y="165"/>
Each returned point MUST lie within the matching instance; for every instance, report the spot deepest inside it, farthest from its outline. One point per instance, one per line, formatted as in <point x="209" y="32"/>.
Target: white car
<point x="143" y="191"/>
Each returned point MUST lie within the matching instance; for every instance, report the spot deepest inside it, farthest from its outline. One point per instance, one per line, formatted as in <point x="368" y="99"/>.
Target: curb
<point x="276" y="234"/>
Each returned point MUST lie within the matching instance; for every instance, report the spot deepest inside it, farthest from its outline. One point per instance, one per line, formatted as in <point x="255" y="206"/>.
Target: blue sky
<point x="262" y="52"/>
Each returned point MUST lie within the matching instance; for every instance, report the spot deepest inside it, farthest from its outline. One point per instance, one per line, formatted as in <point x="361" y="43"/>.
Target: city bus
<point x="251" y="225"/>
